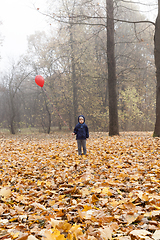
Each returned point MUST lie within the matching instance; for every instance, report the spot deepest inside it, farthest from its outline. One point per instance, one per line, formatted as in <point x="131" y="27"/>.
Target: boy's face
<point x="81" y="120"/>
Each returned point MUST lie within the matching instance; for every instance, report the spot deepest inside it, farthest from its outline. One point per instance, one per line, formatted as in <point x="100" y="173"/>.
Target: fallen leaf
<point x="106" y="233"/>
<point x="5" y="192"/>
<point x="156" y="235"/>
<point x="140" y="233"/>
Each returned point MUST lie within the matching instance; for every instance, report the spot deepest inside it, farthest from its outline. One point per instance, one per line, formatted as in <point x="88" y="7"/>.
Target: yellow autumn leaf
<point x="56" y="232"/>
<point x="70" y="236"/>
<point x="97" y="190"/>
<point x="114" y="203"/>
<point x="15" y="235"/>
<point x="48" y="236"/>
<point x="106" y="191"/>
<point x="61" y="197"/>
<point x="39" y="182"/>
<point x="86" y="208"/>
<point x="65" y="226"/>
<point x="12" y="219"/>
<point x="55" y="235"/>
<point x="51" y="202"/>
<point x="44" y="185"/>
<point x="20" y="198"/>
<point x="48" y="183"/>
<point x="94" y="198"/>
<point x="76" y="229"/>
<point x="60" y="237"/>
<point x="155" y="206"/>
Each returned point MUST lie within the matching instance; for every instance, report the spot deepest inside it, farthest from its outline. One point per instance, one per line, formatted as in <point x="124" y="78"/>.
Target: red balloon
<point x="39" y="80"/>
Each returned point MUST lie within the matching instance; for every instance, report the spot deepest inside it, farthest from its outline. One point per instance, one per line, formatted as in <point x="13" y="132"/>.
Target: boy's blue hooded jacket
<point x="81" y="130"/>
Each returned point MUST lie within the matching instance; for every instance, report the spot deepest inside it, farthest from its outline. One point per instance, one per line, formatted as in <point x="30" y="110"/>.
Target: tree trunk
<point x="12" y="127"/>
<point x="112" y="81"/>
<point x="49" y="118"/>
<point x="12" y="112"/>
<point x="47" y="126"/>
<point x="74" y="79"/>
<point x="157" y="64"/>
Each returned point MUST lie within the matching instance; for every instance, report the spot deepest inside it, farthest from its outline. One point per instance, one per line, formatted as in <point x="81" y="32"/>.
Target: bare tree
<point x="92" y="20"/>
<point x="74" y="78"/>
<point x="89" y="20"/>
<point x="12" y="82"/>
<point x="112" y="81"/>
<point x="157" y="64"/>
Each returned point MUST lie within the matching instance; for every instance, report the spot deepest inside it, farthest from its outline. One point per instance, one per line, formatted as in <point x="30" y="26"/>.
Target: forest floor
<point x="47" y="193"/>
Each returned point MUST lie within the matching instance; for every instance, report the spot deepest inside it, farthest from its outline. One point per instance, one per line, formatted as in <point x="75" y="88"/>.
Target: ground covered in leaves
<point x="47" y="193"/>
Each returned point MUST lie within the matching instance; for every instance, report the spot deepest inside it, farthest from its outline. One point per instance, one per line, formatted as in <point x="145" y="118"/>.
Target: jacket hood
<point x="81" y="116"/>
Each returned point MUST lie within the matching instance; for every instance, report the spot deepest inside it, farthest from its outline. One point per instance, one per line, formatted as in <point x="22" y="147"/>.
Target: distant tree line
<point x="73" y="59"/>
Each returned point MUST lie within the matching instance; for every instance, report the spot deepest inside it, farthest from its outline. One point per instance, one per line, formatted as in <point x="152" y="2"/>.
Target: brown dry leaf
<point x="152" y="214"/>
<point x="143" y="196"/>
<point x="114" y="190"/>
<point x="86" y="215"/>
<point x="114" y="226"/>
<point x="130" y="206"/>
<point x="85" y="192"/>
<point x="94" y="198"/>
<point x="125" y="238"/>
<point x="140" y="233"/>
<point x="55" y="223"/>
<point x="31" y="237"/>
<point x="39" y="206"/>
<point x="22" y="236"/>
<point x="106" y="233"/>
<point x="91" y="238"/>
<point x="5" y="192"/>
<point x="156" y="235"/>
<point x="60" y="225"/>
<point x="130" y="218"/>
<point x="1" y="210"/>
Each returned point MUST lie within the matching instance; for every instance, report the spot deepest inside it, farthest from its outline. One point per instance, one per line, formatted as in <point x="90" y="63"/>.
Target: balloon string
<point x="55" y="108"/>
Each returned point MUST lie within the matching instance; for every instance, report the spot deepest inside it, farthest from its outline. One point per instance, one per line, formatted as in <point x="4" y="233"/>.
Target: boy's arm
<point x="75" y="131"/>
<point x="87" y="132"/>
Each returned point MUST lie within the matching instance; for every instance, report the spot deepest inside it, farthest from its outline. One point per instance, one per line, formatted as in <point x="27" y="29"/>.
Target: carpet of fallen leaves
<point x="47" y="193"/>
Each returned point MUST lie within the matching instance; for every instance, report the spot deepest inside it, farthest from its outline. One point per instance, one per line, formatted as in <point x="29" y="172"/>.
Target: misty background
<point x="66" y="43"/>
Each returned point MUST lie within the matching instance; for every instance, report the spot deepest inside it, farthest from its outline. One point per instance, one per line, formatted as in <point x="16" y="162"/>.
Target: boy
<point x="81" y="132"/>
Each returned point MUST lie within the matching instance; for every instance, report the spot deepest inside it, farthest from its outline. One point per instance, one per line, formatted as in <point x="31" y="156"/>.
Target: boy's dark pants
<point x="81" y="144"/>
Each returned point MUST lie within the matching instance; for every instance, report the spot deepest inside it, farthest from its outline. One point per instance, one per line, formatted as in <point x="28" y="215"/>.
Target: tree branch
<point x="134" y="22"/>
<point x="85" y="17"/>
